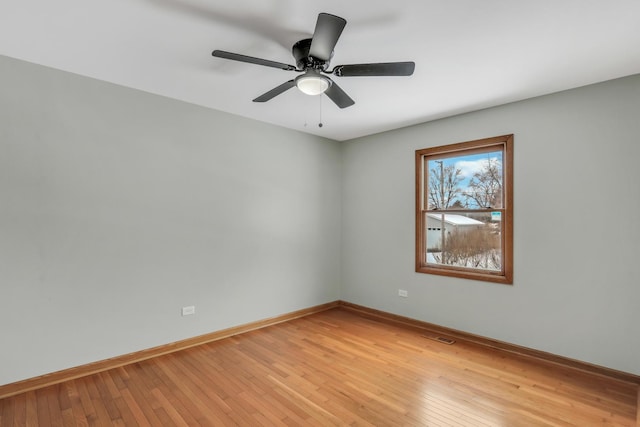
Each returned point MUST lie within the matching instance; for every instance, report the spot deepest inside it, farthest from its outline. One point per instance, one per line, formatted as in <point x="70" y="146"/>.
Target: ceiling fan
<point x="312" y="59"/>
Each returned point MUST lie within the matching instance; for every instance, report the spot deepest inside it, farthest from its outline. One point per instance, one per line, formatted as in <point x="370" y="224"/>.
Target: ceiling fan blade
<point x="275" y="91"/>
<point x="252" y="60"/>
<point x="326" y="35"/>
<point x="378" y="69"/>
<point x="338" y="96"/>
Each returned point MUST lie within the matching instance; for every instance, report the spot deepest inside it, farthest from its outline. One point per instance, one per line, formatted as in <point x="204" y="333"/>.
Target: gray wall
<point x="576" y="288"/>
<point x="118" y="207"/>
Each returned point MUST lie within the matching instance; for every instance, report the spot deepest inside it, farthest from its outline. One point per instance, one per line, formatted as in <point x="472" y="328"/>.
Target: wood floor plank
<point x="139" y="400"/>
<point x="332" y="368"/>
<point x="44" y="418"/>
<point x="138" y="416"/>
<point x="638" y="408"/>
<point x="19" y="412"/>
<point x="7" y="411"/>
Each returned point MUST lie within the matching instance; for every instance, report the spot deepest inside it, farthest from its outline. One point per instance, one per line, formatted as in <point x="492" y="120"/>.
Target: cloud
<point x="469" y="167"/>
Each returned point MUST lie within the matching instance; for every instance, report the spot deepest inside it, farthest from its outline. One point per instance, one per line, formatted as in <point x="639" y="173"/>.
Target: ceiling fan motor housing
<point x="304" y="61"/>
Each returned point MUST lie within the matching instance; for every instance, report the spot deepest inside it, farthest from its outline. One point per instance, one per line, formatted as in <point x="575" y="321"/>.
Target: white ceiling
<point x="469" y="54"/>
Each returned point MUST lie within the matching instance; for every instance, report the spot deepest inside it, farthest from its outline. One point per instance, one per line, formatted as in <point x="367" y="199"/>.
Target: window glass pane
<point x="470" y="240"/>
<point x="472" y="181"/>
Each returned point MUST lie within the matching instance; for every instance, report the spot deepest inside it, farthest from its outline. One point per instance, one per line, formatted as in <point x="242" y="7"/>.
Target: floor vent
<point x="443" y="340"/>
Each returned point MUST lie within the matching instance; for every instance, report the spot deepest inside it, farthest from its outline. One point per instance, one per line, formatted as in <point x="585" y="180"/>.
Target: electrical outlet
<point x="189" y="310"/>
<point x="403" y="293"/>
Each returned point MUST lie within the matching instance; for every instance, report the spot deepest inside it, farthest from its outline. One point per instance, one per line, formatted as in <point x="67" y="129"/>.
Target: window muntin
<point x="464" y="210"/>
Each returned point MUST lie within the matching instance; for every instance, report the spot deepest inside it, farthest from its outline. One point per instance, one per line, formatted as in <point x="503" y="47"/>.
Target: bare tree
<point x="485" y="187"/>
<point x="458" y="205"/>
<point x="443" y="186"/>
<point x="476" y="248"/>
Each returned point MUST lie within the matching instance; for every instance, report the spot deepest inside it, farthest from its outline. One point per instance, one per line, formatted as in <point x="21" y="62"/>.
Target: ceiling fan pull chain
<point x="320" y="121"/>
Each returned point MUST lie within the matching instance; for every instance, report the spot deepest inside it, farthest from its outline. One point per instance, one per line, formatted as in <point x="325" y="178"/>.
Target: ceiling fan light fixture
<point x="312" y="83"/>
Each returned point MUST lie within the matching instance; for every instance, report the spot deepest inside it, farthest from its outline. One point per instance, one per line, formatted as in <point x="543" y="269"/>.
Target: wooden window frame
<point x="503" y="143"/>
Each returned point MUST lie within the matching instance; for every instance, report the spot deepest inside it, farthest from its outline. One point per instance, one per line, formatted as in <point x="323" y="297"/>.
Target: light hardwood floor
<point x="331" y="368"/>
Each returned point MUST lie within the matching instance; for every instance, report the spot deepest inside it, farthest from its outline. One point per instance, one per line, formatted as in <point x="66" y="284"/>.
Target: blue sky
<point x="468" y="164"/>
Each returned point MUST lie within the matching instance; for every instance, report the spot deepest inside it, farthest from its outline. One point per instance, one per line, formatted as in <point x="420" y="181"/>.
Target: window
<point x="464" y="210"/>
